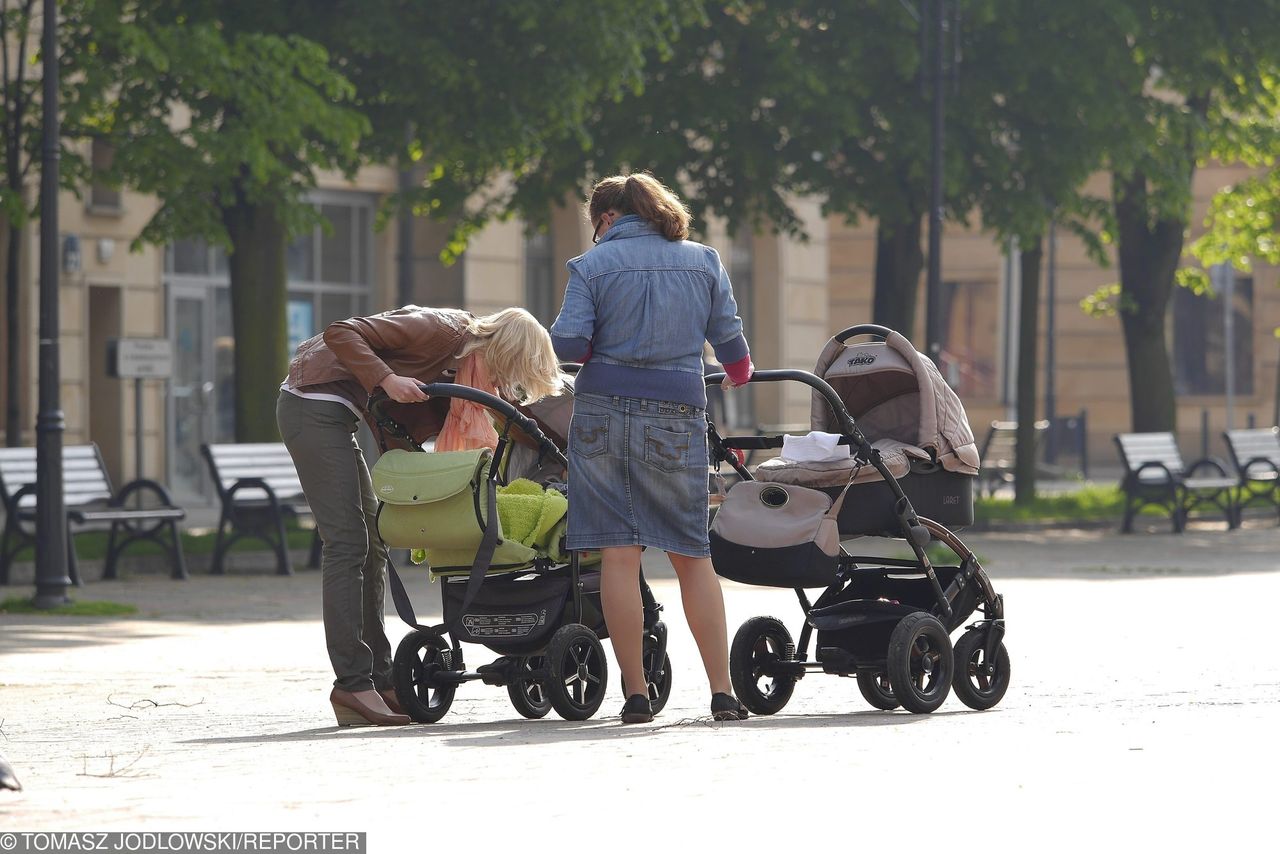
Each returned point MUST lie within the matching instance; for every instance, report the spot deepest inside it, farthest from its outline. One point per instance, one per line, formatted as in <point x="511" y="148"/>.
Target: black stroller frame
<point x="886" y="621"/>
<point x="569" y="672"/>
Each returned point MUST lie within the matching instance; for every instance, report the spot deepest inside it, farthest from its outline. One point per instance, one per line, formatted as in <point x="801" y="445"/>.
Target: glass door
<point x="201" y="397"/>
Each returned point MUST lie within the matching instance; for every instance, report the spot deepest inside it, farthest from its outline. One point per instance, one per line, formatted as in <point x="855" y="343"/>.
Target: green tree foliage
<point x="226" y="125"/>
<point x="226" y="111"/>
<point x="21" y="142"/>
<point x="1206" y="90"/>
<point x="471" y="93"/>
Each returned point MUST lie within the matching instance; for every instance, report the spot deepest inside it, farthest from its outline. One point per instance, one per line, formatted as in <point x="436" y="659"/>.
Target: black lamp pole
<point x="933" y="283"/>
<point x="51" y="512"/>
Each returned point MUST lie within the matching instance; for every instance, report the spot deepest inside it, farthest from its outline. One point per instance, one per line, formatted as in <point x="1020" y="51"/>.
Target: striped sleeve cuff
<point x="571" y="349"/>
<point x="732" y="350"/>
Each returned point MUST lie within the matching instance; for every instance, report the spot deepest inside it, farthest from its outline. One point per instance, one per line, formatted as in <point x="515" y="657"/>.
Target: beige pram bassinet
<point x="910" y="415"/>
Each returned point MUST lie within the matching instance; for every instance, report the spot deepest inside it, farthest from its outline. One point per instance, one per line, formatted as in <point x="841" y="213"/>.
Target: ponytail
<point x="646" y="197"/>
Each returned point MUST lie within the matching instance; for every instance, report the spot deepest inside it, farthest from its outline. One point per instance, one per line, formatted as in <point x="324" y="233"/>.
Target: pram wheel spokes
<point x="877" y="691"/>
<point x="980" y="682"/>
<point x="528" y="690"/>
<point x="920" y="662"/>
<point x="577" y="672"/>
<point x="758" y="657"/>
<point x="419" y="661"/>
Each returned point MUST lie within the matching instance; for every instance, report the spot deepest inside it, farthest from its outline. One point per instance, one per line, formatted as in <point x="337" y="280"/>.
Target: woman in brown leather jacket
<point x="327" y="391"/>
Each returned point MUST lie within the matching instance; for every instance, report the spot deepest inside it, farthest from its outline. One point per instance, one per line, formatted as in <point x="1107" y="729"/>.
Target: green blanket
<point x="529" y="513"/>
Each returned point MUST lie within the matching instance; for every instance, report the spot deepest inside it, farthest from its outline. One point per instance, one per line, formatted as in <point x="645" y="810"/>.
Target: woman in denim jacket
<point x="637" y="310"/>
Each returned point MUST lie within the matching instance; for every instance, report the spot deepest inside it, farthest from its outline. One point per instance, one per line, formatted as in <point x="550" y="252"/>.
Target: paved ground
<point x="1143" y="712"/>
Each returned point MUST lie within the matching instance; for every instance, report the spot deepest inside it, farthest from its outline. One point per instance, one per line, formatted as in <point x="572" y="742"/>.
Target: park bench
<point x="257" y="486"/>
<point x="999" y="454"/>
<point x="1154" y="475"/>
<point x="1256" y="455"/>
<point x="141" y="510"/>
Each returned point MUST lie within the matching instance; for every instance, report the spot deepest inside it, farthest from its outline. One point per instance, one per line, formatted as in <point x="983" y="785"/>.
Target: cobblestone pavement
<point x="1142" y="716"/>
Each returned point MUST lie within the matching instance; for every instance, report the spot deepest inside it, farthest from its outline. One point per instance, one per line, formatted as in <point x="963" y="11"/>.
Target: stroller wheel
<point x="577" y="672"/>
<point x="920" y="663"/>
<point x="419" y="658"/>
<point x="979" y="683"/>
<point x="760" y="644"/>
<point x="877" y="691"/>
<point x="528" y="693"/>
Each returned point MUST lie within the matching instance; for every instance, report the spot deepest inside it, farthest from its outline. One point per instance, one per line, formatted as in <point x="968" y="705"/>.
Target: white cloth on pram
<point x="817" y="474"/>
<point x="814" y="446"/>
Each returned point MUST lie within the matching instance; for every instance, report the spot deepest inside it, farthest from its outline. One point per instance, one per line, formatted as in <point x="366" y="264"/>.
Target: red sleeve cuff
<point x="740" y="371"/>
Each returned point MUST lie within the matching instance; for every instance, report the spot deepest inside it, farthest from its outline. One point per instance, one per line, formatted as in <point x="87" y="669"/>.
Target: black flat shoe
<point x="637" y="710"/>
<point x="725" y="707"/>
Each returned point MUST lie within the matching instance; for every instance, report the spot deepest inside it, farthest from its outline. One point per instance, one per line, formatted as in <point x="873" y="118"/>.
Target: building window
<point x="103" y="198"/>
<point x="539" y="276"/>
<point x="970" y="338"/>
<point x="1200" y="337"/>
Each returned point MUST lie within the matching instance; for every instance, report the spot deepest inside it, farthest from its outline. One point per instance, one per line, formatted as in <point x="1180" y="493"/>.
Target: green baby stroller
<point x="506" y="581"/>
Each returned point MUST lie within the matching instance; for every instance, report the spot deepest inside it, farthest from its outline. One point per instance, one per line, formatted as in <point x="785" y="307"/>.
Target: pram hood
<point x="898" y="398"/>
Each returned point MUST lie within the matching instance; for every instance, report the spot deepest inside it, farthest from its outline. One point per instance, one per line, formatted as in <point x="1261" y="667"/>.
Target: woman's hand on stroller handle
<point x="402" y="389"/>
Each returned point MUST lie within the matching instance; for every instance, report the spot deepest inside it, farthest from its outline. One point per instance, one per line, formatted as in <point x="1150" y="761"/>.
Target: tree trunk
<point x="1149" y="251"/>
<point x="12" y="350"/>
<point x="899" y="260"/>
<point x="1024" y="472"/>
<point x="258" y="316"/>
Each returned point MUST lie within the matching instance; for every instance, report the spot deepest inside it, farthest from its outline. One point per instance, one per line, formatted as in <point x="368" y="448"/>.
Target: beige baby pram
<point x="886" y="621"/>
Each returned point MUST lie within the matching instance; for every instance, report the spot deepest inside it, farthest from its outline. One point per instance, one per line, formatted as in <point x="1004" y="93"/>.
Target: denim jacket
<point x="641" y="307"/>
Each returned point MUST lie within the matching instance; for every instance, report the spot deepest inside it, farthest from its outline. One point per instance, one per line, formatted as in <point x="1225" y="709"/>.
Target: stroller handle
<point x="488" y="401"/>
<point x="816" y="382"/>
<point x="863" y="329"/>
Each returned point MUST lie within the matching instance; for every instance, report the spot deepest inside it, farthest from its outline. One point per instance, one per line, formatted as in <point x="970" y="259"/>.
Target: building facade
<point x="793" y="295"/>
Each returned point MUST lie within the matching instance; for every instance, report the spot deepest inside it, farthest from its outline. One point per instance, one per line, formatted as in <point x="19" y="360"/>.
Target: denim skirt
<point x="638" y="475"/>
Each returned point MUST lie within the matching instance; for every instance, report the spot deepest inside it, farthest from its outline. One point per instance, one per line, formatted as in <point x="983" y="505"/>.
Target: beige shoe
<point x="393" y="702"/>
<point x="350" y="711"/>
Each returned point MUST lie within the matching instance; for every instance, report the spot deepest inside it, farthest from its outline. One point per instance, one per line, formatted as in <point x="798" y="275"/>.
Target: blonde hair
<point x="643" y="195"/>
<point x="518" y="351"/>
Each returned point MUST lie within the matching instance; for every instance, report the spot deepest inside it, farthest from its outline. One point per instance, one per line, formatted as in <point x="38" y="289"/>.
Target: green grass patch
<point x="1087" y="503"/>
<point x="92" y="545"/>
<point x="22" y="605"/>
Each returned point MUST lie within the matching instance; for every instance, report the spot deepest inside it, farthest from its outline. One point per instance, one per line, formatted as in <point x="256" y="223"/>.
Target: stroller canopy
<point x="897" y="396"/>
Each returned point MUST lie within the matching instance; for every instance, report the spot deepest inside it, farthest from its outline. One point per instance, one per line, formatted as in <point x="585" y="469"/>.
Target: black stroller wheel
<point x="877" y="691"/>
<point x="577" y="672"/>
<point x="920" y="663"/>
<point x="419" y="658"/>
<point x="978" y="682"/>
<point x="759" y="644"/>
<point x="528" y="693"/>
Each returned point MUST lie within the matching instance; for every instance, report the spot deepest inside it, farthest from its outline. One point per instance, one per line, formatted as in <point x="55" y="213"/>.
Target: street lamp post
<point x="933" y="284"/>
<point x="1050" y="354"/>
<point x="51" y="512"/>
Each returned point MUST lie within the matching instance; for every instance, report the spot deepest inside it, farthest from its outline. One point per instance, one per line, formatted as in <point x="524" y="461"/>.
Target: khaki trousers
<point x="320" y="436"/>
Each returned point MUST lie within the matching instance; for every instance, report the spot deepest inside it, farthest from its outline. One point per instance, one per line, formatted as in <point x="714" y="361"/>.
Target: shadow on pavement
<point x="547" y="732"/>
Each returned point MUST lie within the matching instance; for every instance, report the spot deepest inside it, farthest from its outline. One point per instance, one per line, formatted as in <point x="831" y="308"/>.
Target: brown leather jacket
<point x="416" y="342"/>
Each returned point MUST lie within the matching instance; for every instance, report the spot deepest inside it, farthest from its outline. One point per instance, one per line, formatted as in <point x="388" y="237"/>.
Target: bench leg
<point x="179" y="572"/>
<point x="282" y="548"/>
<point x="109" y="568"/>
<point x="1126" y="527"/>
<point x="6" y="556"/>
<point x="73" y="562"/>
<point x="219" y="544"/>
